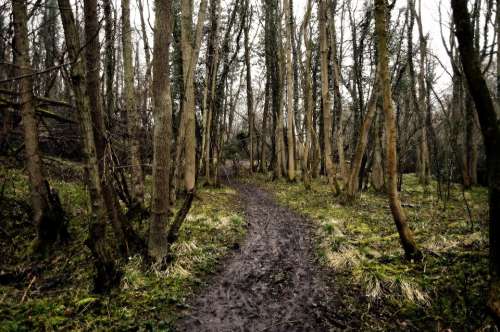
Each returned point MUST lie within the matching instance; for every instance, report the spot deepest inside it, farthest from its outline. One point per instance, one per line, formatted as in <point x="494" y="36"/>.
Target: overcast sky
<point x="430" y="24"/>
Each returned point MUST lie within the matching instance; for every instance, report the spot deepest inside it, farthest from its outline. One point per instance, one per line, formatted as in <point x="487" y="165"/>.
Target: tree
<point x="289" y="90"/>
<point x="130" y="107"/>
<point x="248" y="17"/>
<point x="190" y="50"/>
<point x="325" y="93"/>
<point x="162" y="112"/>
<point x="310" y="141"/>
<point x="107" y="275"/>
<point x="405" y="233"/>
<point x="490" y="129"/>
<point x="48" y="215"/>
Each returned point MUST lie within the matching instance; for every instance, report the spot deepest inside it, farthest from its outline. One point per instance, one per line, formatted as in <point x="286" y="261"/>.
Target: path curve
<point x="271" y="283"/>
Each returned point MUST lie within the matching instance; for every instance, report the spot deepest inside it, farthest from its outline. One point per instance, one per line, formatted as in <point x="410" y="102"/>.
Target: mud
<point x="272" y="282"/>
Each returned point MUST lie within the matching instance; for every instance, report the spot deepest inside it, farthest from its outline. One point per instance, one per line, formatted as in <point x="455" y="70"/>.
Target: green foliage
<point x="360" y="242"/>
<point x="59" y="297"/>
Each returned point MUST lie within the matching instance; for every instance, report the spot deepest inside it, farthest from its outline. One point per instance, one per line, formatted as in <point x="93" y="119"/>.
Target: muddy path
<point x="272" y="282"/>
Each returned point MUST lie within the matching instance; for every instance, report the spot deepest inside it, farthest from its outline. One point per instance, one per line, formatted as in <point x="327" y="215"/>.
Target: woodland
<point x="250" y="165"/>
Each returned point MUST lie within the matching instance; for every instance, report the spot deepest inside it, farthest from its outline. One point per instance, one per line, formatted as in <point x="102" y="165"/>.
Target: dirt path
<point x="271" y="283"/>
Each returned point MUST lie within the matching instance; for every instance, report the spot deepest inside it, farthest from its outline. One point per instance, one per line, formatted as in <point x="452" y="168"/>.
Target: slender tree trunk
<point x="377" y="176"/>
<point x="337" y="105"/>
<point x="263" y="139"/>
<point x="190" y="49"/>
<point x="308" y="99"/>
<point x="289" y="90"/>
<point x="48" y="215"/>
<point x="490" y="128"/>
<point x="251" y="134"/>
<point x="405" y="233"/>
<point x="353" y="182"/>
<point x="109" y="62"/>
<point x="130" y="107"/>
<point x="424" y="163"/>
<point x="162" y="113"/>
<point x="325" y="93"/>
<point x="107" y="275"/>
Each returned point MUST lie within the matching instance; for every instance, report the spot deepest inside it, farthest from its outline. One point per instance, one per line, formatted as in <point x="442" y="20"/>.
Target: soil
<point x="272" y="282"/>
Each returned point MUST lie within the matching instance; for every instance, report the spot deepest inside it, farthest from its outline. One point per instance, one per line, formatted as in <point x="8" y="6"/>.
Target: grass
<point x="359" y="242"/>
<point x="59" y="296"/>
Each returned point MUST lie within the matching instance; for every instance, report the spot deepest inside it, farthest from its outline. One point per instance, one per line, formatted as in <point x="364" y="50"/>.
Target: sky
<point x="430" y="25"/>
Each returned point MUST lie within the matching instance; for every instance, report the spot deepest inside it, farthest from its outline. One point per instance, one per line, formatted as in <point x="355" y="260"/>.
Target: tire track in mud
<point x="271" y="283"/>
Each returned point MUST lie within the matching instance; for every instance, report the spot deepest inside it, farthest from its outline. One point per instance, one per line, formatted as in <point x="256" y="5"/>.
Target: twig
<point x="27" y="289"/>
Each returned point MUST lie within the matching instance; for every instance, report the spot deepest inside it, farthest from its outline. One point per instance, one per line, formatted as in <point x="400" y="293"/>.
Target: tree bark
<point x="251" y="137"/>
<point x="190" y="50"/>
<point x="107" y="275"/>
<point x="325" y="93"/>
<point x="48" y="218"/>
<point x="405" y="233"/>
<point x="289" y="90"/>
<point x="162" y="113"/>
<point x="353" y="181"/>
<point x="490" y="129"/>
<point x="133" y="129"/>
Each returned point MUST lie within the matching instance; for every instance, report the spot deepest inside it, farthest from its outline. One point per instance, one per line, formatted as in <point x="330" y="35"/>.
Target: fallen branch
<point x="27" y="289"/>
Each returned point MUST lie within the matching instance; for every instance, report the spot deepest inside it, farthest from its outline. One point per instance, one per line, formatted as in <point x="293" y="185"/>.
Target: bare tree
<point x="405" y="233"/>
<point x="490" y="128"/>
<point x="130" y="108"/>
<point x="162" y="112"/>
<point x="289" y="90"/>
<point x="47" y="211"/>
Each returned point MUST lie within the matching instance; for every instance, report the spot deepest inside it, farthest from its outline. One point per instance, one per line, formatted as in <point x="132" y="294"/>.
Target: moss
<point x="59" y="297"/>
<point x="359" y="241"/>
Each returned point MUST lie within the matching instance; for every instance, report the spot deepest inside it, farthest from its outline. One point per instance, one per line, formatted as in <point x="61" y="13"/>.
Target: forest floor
<point x="259" y="255"/>
<point x="357" y="247"/>
<point x="54" y="293"/>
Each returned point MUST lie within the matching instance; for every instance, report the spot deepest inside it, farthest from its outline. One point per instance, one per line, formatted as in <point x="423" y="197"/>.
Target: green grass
<point x="60" y="297"/>
<point x="359" y="241"/>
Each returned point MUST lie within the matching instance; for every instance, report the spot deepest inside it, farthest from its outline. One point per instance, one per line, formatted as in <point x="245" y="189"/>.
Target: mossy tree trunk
<point x="162" y="113"/>
<point x="48" y="215"/>
<point x="405" y="234"/>
<point x="107" y="275"/>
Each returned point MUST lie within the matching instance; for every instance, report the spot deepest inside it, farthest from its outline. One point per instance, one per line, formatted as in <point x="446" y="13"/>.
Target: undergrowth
<point x="56" y="292"/>
<point x="358" y="240"/>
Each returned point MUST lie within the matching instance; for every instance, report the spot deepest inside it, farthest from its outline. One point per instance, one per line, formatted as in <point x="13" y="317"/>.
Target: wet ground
<point x="272" y="282"/>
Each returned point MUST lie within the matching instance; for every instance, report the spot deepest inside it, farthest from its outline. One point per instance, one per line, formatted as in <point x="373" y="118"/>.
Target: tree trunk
<point x="337" y="105"/>
<point x="109" y="61"/>
<point x="107" y="275"/>
<point x="47" y="216"/>
<point x="308" y="100"/>
<point x="488" y="120"/>
<point x="424" y="171"/>
<point x="353" y="182"/>
<point x="190" y="49"/>
<point x="377" y="176"/>
<point x="263" y="139"/>
<point x="162" y="113"/>
<point x="325" y="93"/>
<point x="405" y="233"/>
<point x="251" y="137"/>
<point x="133" y="129"/>
<point x="289" y="90"/>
